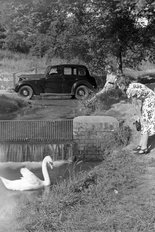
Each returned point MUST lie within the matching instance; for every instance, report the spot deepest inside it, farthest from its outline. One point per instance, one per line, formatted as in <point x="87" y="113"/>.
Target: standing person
<point x="110" y="84"/>
<point x="147" y="119"/>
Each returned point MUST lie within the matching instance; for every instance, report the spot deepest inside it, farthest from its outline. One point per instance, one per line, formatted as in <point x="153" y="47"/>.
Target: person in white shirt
<point x="109" y="85"/>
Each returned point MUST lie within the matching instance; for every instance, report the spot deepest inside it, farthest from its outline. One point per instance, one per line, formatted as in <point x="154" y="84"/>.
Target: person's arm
<point x="137" y="104"/>
<point x="108" y="85"/>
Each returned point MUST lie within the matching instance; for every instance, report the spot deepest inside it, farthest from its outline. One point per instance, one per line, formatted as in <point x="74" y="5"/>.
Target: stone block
<point x="91" y="133"/>
<point x="88" y="126"/>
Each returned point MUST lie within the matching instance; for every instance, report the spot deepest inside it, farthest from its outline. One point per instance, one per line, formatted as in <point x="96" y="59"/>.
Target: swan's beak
<point x="51" y="165"/>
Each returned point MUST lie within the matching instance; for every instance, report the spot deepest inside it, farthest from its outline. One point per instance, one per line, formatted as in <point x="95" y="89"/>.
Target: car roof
<point x="68" y="65"/>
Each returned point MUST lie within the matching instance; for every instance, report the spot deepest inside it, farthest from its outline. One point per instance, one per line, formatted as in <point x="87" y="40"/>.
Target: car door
<point x="53" y="82"/>
<point x="69" y="78"/>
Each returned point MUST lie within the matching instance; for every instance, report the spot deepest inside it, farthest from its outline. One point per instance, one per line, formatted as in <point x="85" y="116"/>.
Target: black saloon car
<point x="67" y="79"/>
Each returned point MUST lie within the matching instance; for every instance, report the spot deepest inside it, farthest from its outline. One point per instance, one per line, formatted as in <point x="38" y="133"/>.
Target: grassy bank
<point x="107" y="198"/>
<point x="11" y="105"/>
<point x="111" y="197"/>
<point x="104" y="199"/>
<point x="11" y="62"/>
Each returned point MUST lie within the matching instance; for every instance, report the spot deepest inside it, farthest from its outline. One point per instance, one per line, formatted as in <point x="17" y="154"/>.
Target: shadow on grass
<point x="151" y="142"/>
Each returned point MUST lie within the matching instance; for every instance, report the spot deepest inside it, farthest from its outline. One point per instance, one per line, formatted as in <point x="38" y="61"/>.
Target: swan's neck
<point x="45" y="174"/>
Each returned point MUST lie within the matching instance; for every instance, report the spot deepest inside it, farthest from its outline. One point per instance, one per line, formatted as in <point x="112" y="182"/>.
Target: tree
<point x="95" y="31"/>
<point x="116" y="31"/>
<point x="110" y="28"/>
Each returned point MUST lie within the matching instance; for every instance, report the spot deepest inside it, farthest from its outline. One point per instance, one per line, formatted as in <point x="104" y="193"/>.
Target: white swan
<point x="29" y="181"/>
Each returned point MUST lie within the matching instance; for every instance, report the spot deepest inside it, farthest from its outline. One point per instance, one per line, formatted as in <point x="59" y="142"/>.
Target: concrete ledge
<point x="98" y="123"/>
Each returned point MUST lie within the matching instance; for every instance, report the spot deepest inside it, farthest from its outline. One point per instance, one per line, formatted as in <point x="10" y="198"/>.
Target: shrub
<point x="10" y="104"/>
<point x="101" y="104"/>
<point x="122" y="135"/>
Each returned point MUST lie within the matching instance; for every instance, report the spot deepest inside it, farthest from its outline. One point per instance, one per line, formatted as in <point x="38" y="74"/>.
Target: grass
<point x="11" y="62"/>
<point x="104" y="199"/>
<point x="108" y="198"/>
<point x="17" y="63"/>
<point x="102" y="103"/>
<point x="11" y="105"/>
<point x="93" y="200"/>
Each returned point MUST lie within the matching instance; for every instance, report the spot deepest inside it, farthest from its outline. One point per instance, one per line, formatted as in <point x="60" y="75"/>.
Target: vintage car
<point x="66" y="79"/>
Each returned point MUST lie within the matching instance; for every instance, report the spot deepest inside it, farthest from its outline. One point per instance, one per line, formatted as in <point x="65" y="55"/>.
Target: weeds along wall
<point x="95" y="136"/>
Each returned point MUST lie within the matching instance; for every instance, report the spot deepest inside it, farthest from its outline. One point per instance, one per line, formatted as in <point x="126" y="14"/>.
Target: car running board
<point x="55" y="94"/>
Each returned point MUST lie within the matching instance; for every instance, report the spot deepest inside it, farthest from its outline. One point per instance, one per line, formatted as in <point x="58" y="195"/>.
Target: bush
<point x="10" y="103"/>
<point x="122" y="135"/>
<point x="102" y="103"/>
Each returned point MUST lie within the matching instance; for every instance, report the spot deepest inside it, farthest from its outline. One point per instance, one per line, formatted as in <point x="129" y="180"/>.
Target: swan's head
<point x="49" y="161"/>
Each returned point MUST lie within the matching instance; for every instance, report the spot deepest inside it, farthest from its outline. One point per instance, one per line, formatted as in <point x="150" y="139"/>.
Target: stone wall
<point x="91" y="134"/>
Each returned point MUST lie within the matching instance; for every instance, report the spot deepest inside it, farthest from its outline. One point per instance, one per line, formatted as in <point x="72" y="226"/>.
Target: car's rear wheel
<point x="26" y="92"/>
<point x="81" y="92"/>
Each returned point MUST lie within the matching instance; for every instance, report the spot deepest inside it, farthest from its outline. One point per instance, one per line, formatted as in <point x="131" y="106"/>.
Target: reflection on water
<point x="10" y="201"/>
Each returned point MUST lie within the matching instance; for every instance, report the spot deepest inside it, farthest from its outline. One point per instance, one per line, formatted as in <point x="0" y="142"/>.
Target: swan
<point x="29" y="181"/>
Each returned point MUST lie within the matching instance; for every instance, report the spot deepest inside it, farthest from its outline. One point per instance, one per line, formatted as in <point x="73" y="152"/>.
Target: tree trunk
<point x="120" y="61"/>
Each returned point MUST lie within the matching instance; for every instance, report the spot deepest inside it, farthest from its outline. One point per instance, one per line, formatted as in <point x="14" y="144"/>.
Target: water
<point x="10" y="201"/>
<point x="34" y="152"/>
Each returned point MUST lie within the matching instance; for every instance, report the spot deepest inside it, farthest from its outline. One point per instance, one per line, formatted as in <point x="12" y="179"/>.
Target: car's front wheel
<point x="81" y="92"/>
<point x="26" y="92"/>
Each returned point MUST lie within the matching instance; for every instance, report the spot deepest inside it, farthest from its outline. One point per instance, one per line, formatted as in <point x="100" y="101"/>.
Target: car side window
<point x="67" y="71"/>
<point x="74" y="71"/>
<point x="81" y="72"/>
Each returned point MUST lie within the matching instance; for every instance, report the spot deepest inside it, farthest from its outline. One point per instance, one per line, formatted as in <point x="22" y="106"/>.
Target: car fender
<point x="78" y="83"/>
<point x="37" y="90"/>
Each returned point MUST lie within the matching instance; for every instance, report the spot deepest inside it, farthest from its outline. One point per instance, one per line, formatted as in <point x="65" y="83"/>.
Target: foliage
<point x="123" y="135"/>
<point x="102" y="103"/>
<point x="11" y="104"/>
<point x="92" y="30"/>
